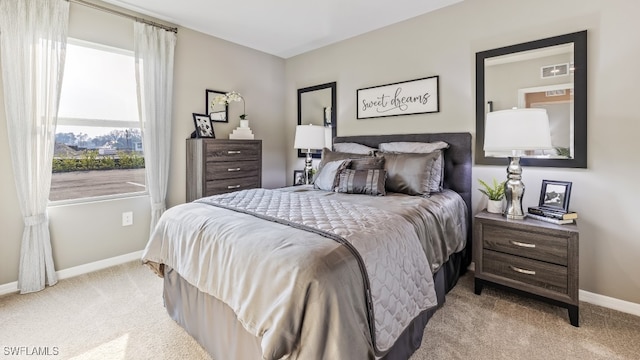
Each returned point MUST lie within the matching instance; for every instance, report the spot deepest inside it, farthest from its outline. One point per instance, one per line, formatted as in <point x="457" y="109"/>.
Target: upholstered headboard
<point x="457" y="173"/>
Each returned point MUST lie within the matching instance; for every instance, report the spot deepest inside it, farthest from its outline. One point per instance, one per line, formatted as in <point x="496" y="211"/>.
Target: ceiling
<point x="283" y="28"/>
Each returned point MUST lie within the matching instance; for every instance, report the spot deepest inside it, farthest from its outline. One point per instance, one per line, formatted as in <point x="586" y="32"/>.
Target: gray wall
<point x="444" y="43"/>
<point x="88" y="232"/>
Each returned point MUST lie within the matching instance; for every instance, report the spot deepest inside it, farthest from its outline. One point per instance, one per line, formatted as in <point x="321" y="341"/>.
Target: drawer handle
<point x="522" y="271"/>
<point x="521" y="244"/>
<point x="234" y="152"/>
<point x="233" y="169"/>
<point x="233" y="186"/>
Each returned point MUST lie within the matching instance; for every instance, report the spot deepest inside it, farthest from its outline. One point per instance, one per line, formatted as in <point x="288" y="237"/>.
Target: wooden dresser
<point x="531" y="257"/>
<point x="216" y="166"/>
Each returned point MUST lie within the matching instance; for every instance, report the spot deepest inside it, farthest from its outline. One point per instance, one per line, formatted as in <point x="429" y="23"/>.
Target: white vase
<point x="494" y="206"/>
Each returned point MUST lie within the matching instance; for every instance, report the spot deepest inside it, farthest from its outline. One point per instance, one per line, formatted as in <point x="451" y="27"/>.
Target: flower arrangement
<point x="229" y="97"/>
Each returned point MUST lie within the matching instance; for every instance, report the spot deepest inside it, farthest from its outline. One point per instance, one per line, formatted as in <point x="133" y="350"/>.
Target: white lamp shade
<point x="309" y="137"/>
<point x="517" y="129"/>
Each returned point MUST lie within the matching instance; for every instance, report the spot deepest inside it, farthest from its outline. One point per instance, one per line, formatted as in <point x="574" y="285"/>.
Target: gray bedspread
<point x="302" y="292"/>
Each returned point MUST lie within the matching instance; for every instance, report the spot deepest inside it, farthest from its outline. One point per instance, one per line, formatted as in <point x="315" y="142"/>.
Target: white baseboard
<point x="81" y="269"/>
<point x="609" y="302"/>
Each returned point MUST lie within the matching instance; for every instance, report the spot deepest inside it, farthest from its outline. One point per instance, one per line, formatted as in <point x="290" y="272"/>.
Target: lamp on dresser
<point x="516" y="131"/>
<point x="309" y="137"/>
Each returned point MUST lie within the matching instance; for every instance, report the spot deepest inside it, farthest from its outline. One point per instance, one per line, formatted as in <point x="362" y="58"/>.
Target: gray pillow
<point x="369" y="163"/>
<point x="369" y="182"/>
<point x="437" y="177"/>
<point x="354" y="148"/>
<point x="328" y="156"/>
<point x="409" y="173"/>
<point x="327" y="177"/>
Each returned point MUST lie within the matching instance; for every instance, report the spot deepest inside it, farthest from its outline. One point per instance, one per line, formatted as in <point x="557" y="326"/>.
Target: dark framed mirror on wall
<point x="549" y="73"/>
<point x="317" y="106"/>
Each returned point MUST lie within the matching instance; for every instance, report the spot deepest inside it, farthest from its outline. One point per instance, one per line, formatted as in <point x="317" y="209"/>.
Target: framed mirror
<point x="317" y="106"/>
<point x="550" y="73"/>
<point x="217" y="112"/>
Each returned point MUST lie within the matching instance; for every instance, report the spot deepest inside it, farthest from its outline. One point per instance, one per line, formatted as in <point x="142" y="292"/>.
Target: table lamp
<point x="309" y="137"/>
<point x="516" y="130"/>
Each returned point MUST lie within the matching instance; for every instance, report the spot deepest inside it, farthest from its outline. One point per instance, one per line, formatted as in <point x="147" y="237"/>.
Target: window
<point x="98" y="147"/>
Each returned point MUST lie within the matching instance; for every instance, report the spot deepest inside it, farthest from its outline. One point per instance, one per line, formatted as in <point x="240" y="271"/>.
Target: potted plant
<point x="495" y="194"/>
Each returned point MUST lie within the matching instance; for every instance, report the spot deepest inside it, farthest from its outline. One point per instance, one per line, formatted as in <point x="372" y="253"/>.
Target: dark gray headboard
<point x="457" y="173"/>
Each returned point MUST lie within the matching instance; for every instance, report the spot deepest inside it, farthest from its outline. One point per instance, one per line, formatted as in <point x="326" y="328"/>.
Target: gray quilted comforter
<point x="324" y="278"/>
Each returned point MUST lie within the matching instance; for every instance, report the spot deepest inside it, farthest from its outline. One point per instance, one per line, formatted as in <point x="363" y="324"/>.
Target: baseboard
<point x="81" y="269"/>
<point x="609" y="302"/>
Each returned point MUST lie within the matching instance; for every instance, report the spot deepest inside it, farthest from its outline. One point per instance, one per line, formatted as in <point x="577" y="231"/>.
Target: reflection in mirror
<point x="317" y="106"/>
<point x="548" y="74"/>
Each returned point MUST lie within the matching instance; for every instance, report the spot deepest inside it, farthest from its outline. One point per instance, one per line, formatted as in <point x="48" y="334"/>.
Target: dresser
<point x="217" y="166"/>
<point x="530" y="257"/>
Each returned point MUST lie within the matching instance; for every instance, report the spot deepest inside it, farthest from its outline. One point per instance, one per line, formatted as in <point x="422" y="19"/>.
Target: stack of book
<point x="552" y="215"/>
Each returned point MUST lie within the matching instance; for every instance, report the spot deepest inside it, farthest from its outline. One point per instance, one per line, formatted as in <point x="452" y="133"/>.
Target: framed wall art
<point x="418" y="96"/>
<point x="555" y="195"/>
<point x="204" y="127"/>
<point x="216" y="111"/>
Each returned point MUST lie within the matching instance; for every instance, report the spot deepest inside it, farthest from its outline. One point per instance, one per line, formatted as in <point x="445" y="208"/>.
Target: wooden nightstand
<point x="530" y="257"/>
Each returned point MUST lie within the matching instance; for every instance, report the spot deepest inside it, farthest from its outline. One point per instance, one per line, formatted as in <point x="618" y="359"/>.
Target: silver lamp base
<point x="308" y="168"/>
<point x="514" y="190"/>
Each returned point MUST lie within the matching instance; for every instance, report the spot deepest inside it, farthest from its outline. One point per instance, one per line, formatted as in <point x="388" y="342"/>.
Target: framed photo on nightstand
<point x="298" y="177"/>
<point x="555" y="195"/>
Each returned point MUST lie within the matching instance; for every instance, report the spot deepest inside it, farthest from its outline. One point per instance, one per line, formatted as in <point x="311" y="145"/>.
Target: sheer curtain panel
<point x="154" y="49"/>
<point x="33" y="39"/>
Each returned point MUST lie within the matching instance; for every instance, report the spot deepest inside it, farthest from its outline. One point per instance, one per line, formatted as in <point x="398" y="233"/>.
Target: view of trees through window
<point x="98" y="142"/>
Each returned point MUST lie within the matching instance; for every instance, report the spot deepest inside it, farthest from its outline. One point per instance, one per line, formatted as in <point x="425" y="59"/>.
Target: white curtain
<point x="154" y="48"/>
<point x="33" y="39"/>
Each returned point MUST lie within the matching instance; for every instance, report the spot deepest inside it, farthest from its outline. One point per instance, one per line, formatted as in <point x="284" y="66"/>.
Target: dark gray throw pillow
<point x="369" y="163"/>
<point x="369" y="182"/>
<point x="409" y="173"/>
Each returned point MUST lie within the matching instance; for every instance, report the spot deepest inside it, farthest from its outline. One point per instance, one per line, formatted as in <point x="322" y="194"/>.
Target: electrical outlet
<point x="127" y="218"/>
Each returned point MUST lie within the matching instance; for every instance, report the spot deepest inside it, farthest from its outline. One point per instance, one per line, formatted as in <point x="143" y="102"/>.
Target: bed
<point x="303" y="273"/>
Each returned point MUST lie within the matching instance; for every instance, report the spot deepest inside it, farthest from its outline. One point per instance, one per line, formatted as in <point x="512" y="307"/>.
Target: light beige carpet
<point x="117" y="313"/>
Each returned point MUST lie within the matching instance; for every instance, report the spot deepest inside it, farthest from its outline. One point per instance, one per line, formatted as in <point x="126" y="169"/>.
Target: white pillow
<point x="413" y="147"/>
<point x="327" y="178"/>
<point x="354" y="148"/>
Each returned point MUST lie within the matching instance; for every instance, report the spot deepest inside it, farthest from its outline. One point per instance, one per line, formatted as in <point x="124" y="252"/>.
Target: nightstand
<point x="530" y="257"/>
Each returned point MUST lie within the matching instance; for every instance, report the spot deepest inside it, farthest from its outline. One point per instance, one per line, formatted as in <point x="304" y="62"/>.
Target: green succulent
<point x="495" y="192"/>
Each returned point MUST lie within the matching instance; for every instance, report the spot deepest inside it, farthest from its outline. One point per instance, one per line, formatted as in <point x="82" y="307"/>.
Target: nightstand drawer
<point x="532" y="272"/>
<point x="232" y="169"/>
<point x="224" y="186"/>
<point x="527" y="244"/>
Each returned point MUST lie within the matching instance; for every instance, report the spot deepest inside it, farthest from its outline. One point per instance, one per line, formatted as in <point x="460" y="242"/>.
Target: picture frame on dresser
<point x="555" y="195"/>
<point x="204" y="127"/>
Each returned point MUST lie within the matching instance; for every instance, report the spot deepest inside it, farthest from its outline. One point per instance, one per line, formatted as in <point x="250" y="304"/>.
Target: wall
<point x="444" y="43"/>
<point x="89" y="232"/>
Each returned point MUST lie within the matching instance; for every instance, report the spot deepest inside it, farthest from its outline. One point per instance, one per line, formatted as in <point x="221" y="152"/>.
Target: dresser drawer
<point x="232" y="170"/>
<point x="215" y="187"/>
<point x="532" y="245"/>
<point x="232" y="151"/>
<point x="532" y="272"/>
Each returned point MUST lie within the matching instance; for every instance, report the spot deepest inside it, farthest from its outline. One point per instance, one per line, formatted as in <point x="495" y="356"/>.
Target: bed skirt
<point x="216" y="328"/>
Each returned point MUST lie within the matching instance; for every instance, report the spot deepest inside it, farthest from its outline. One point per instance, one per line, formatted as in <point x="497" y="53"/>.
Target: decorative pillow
<point x="354" y="148"/>
<point x="369" y="163"/>
<point x="409" y="173"/>
<point x="327" y="177"/>
<point x="437" y="178"/>
<point x="369" y="182"/>
<point x="328" y="156"/>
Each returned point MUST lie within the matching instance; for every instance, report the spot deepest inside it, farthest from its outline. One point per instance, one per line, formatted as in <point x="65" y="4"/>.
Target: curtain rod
<point x="119" y="13"/>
